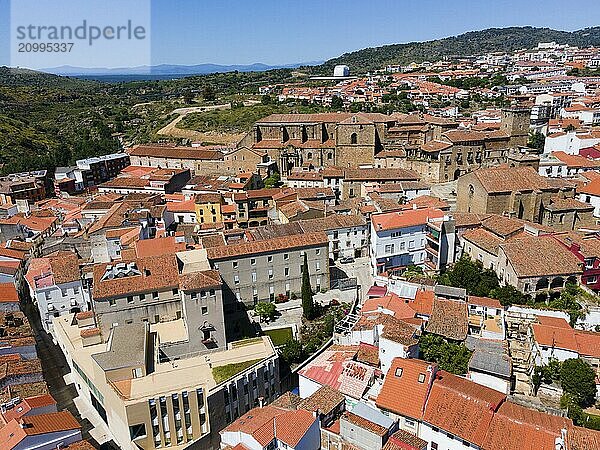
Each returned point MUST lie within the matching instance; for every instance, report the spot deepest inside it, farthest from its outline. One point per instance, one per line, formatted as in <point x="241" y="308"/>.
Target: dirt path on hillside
<point x="172" y="130"/>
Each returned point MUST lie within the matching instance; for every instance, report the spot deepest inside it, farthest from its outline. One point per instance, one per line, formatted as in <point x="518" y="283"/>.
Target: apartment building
<point x="348" y="234"/>
<point x="91" y="171"/>
<point x="154" y="290"/>
<point x="150" y="404"/>
<point x="261" y="270"/>
<point x="422" y="237"/>
<point x="56" y="287"/>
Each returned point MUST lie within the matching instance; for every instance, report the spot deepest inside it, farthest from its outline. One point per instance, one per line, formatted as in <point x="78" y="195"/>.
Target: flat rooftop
<point x="183" y="374"/>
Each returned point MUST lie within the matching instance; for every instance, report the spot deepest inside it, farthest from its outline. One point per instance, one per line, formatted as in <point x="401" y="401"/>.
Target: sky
<point x="284" y="31"/>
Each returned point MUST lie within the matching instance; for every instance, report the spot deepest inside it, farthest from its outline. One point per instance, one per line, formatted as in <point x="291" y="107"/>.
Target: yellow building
<point x="208" y="208"/>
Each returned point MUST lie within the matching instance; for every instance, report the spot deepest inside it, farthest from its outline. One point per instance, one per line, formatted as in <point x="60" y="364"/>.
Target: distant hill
<point x="168" y="70"/>
<point x="467" y="44"/>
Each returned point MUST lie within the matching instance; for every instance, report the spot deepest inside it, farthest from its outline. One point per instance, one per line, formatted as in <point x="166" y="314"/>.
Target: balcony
<point x="432" y="251"/>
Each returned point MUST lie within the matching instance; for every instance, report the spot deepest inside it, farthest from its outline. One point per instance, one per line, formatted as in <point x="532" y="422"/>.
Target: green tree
<point x="266" y="99"/>
<point x="578" y="379"/>
<point x="293" y="351"/>
<point x="508" y="295"/>
<point x="449" y="356"/>
<point x="188" y="97"/>
<point x="265" y="310"/>
<point x="547" y="374"/>
<point x="470" y="275"/>
<point x="208" y="93"/>
<point x="337" y="103"/>
<point x="536" y="140"/>
<point x="273" y="180"/>
<point x="308" y="304"/>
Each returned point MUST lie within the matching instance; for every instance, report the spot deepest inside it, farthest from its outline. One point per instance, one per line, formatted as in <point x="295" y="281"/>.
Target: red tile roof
<point x="266" y="246"/>
<point x="515" y="427"/>
<point x="404" y="219"/>
<point x="449" y="318"/>
<point x="402" y="393"/>
<point x="267" y="423"/>
<point x="423" y="302"/>
<point x="583" y="439"/>
<point x="335" y="367"/>
<point x="403" y="440"/>
<point x="13" y="433"/>
<point x="461" y="407"/>
<point x="484" y="301"/>
<point x="8" y="293"/>
<point x="398" y="306"/>
<point x="364" y="423"/>
<point x="26" y="405"/>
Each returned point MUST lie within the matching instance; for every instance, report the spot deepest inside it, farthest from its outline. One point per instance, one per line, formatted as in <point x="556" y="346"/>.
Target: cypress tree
<point x="308" y="304"/>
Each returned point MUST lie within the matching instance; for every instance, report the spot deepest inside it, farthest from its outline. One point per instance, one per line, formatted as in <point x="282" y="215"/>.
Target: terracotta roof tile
<point x="515" y="427"/>
<point x="461" y="407"/>
<point x="265" y="246"/>
<point x="583" y="439"/>
<point x="533" y="256"/>
<point x="404" y="219"/>
<point x="449" y="319"/>
<point x="403" y="440"/>
<point x="364" y="423"/>
<point x="403" y="392"/>
<point x="324" y="400"/>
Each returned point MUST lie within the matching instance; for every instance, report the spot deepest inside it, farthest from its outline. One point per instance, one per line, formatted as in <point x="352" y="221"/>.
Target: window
<point x="318" y="251"/>
<point x="402" y="245"/>
<point x="421" y="378"/>
<point x="434" y="446"/>
<point x="409" y="423"/>
<point x="286" y="271"/>
<point x="130" y="299"/>
<point x="286" y="256"/>
<point x="236" y="279"/>
<point x="155" y="295"/>
<point x="253" y="261"/>
<point x="269" y="259"/>
<point x="389" y="248"/>
<point x="211" y="292"/>
<point x="142" y="296"/>
<point x="411" y="244"/>
<point x="353" y="138"/>
<point x="203" y="294"/>
<point x="270" y="274"/>
<point x="204" y="310"/>
<point x="254" y="277"/>
<point x="175" y="291"/>
<point x="592" y="280"/>
<point x="318" y="267"/>
<point x="234" y="264"/>
<point x="396" y="234"/>
<point x="111" y="302"/>
<point x="399" y="371"/>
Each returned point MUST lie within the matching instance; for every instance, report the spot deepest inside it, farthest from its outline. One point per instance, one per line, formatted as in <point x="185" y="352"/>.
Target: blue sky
<point x="284" y="31"/>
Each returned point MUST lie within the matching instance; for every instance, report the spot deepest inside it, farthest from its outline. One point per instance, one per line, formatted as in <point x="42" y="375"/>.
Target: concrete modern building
<point x="150" y="404"/>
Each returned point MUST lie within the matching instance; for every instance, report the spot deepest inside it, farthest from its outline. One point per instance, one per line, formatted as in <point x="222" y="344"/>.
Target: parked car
<point x="346" y="260"/>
